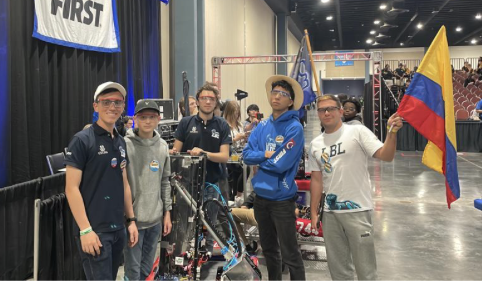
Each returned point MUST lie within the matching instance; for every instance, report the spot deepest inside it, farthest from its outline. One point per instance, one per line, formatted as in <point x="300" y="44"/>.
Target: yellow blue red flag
<point x="428" y="106"/>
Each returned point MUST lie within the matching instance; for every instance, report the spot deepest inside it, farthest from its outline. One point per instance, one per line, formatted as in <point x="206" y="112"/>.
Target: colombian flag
<point x="428" y="106"/>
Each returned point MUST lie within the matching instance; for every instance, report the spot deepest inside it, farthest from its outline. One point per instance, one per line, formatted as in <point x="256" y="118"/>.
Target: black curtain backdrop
<point x="59" y="254"/>
<point x="51" y="86"/>
<point x="16" y="230"/>
<point x="468" y="134"/>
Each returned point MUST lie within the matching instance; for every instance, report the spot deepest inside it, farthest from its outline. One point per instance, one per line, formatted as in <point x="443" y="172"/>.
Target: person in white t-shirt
<point x="338" y="159"/>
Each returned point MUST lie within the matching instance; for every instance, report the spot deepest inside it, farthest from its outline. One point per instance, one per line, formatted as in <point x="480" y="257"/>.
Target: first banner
<point x="82" y="24"/>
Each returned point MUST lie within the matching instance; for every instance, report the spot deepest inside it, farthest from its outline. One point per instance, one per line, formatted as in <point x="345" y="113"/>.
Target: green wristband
<point x="86" y="231"/>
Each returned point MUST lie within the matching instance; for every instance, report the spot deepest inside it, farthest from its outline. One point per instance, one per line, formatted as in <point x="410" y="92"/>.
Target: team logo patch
<point x="123" y="164"/>
<point x="193" y="130"/>
<point x="102" y="150"/>
<point x="113" y="162"/>
<point x="279" y="139"/>
<point x="154" y="166"/>
<point x="215" y="134"/>
<point x="122" y="151"/>
<point x="290" y="144"/>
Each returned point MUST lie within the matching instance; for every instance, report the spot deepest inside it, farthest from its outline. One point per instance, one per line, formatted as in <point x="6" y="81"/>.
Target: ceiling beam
<point x="429" y="19"/>
<point x="405" y="28"/>
<point x="338" y="22"/>
<point x="469" y="35"/>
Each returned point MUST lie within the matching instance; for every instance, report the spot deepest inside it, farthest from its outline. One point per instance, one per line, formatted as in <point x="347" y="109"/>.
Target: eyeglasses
<point x="329" y="109"/>
<point x="349" y="109"/>
<point x="146" y="117"/>
<point x="107" y="103"/>
<point x="207" y="98"/>
<point x="275" y="92"/>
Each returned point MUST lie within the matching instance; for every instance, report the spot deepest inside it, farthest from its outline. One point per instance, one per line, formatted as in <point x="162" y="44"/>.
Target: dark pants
<point x="105" y="265"/>
<point x="277" y="230"/>
<point x="235" y="180"/>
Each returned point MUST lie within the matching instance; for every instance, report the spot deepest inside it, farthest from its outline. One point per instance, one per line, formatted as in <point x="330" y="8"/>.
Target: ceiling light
<point x="478" y="16"/>
<point x="369" y="41"/>
<point x="372" y="32"/>
<point x="419" y="26"/>
<point x="325" y="1"/>
<point x="401" y="44"/>
<point x="329" y="18"/>
<point x="473" y="41"/>
<point x="332" y="30"/>
<point x="376" y="22"/>
<point x="383" y="7"/>
<point x="458" y="29"/>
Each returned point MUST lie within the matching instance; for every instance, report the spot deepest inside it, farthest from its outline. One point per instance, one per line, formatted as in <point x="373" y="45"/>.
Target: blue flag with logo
<point x="303" y="74"/>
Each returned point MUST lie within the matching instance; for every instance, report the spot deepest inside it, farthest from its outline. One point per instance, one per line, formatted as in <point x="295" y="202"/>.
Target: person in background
<point x="470" y="79"/>
<point x="125" y="123"/>
<point x="232" y="114"/>
<point x="148" y="174"/>
<point x="192" y="106"/>
<point x="400" y="71"/>
<point x="387" y="72"/>
<point x="351" y="109"/>
<point x="97" y="189"/>
<point x="252" y="121"/>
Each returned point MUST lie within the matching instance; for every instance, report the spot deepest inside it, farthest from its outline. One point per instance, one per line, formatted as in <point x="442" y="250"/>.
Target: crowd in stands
<point x="467" y="87"/>
<point x="467" y="91"/>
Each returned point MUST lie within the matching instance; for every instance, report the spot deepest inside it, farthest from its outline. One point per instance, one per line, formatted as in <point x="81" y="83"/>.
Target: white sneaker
<point x="231" y="204"/>
<point x="239" y="201"/>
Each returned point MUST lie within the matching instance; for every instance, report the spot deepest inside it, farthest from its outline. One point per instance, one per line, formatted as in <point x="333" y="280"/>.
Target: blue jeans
<point x="140" y="258"/>
<point x="105" y="265"/>
<point x="277" y="234"/>
<point x="208" y="194"/>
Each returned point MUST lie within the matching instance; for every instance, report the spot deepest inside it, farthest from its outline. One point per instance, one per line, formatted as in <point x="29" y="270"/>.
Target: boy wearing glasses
<point x="338" y="159"/>
<point x="276" y="146"/>
<point x="148" y="174"/>
<point x="207" y="134"/>
<point x="97" y="189"/>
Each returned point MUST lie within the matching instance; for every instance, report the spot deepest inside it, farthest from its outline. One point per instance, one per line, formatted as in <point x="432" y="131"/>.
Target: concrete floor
<point x="416" y="236"/>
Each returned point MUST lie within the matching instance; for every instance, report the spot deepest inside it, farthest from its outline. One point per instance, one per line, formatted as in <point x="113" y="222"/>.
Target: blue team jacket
<point x="275" y="177"/>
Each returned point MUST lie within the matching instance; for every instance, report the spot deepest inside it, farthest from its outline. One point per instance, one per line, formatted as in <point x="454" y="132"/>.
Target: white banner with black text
<point x="82" y="24"/>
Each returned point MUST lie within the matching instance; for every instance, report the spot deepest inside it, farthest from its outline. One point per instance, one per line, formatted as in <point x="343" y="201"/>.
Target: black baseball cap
<point x="146" y="105"/>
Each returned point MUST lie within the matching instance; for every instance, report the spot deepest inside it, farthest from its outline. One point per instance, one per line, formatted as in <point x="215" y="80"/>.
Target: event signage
<point x="343" y="58"/>
<point x="83" y="24"/>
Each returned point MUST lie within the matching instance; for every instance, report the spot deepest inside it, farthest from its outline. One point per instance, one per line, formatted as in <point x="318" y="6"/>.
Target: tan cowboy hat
<point x="294" y="84"/>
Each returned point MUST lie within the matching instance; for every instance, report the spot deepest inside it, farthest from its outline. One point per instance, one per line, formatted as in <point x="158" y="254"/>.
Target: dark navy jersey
<point x="192" y="132"/>
<point x="102" y="160"/>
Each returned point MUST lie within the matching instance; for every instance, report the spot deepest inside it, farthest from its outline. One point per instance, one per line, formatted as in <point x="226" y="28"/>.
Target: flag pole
<point x="312" y="62"/>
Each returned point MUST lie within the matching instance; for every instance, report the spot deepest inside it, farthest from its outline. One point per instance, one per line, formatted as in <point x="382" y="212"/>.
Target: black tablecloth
<point x="469" y="137"/>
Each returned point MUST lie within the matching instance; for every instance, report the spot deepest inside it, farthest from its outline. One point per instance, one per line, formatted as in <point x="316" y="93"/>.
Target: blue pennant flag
<point x="304" y="75"/>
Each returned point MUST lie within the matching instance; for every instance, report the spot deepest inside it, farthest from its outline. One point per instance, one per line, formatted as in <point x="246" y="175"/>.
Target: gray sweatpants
<point x="349" y="245"/>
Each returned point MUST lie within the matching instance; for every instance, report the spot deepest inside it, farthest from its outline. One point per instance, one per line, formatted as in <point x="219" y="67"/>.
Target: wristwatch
<point x="131" y="219"/>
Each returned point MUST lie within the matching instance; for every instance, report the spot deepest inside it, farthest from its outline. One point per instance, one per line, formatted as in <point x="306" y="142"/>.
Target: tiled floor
<point x="417" y="237"/>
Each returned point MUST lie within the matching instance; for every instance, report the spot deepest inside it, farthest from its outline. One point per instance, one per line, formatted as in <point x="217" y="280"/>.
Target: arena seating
<point x="465" y="98"/>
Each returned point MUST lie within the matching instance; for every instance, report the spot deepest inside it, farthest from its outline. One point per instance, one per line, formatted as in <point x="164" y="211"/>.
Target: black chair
<point x="55" y="162"/>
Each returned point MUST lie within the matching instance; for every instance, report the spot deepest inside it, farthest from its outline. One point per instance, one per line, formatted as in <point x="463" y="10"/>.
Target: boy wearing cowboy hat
<point x="276" y="145"/>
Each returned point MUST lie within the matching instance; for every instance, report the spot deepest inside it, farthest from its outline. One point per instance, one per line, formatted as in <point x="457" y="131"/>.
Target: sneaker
<point x="238" y="201"/>
<point x="252" y="248"/>
<point x="231" y="204"/>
